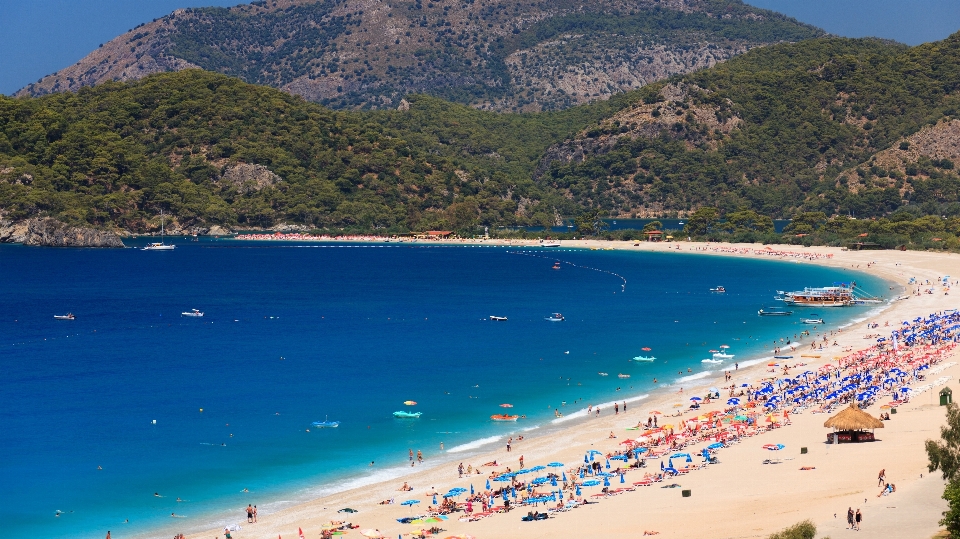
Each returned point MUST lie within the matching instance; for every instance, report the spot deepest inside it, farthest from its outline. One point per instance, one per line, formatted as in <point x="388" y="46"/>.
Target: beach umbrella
<point x="581" y="473"/>
<point x="646" y="349"/>
<point x="502" y="478"/>
<point x="513" y="493"/>
<point x="622" y="480"/>
<point x="555" y="465"/>
<point x="471" y="489"/>
<point x="662" y="467"/>
<point x="410" y="502"/>
<point x="435" y="497"/>
<point x="578" y="490"/>
<point x="553" y="480"/>
<point x="716" y="445"/>
<point x="608" y="464"/>
<point x="606" y="481"/>
<point x="488" y="484"/>
<point x="538" y="468"/>
<point x="591" y="483"/>
<point x="564" y="478"/>
<point x="670" y="463"/>
<point x="696" y="399"/>
<point x="371" y="533"/>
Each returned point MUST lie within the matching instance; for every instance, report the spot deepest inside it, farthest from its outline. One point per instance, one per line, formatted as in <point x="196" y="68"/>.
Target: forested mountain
<point x="507" y="55"/>
<point x="834" y="125"/>
<point x="825" y="126"/>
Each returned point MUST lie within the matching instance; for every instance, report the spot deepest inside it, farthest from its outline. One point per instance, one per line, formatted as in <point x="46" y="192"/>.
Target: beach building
<point x="654" y="235"/>
<point x="851" y="425"/>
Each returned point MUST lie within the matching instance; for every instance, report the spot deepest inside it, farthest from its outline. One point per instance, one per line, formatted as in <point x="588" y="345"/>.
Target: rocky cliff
<point x="49" y="232"/>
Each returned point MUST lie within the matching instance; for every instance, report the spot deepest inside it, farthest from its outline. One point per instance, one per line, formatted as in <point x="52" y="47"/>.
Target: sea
<point x="109" y="419"/>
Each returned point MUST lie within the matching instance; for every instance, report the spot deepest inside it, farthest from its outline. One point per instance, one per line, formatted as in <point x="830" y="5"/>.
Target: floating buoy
<point x="201" y="410"/>
<point x="154" y="422"/>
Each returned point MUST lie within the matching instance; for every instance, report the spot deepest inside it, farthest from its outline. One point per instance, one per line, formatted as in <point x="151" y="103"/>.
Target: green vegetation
<point x="944" y="455"/>
<point x="801" y="530"/>
<point x="783" y="131"/>
<point x="804" y="114"/>
<point x="116" y="154"/>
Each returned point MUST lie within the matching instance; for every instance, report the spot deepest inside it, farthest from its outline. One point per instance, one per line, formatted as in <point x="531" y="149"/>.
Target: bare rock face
<point x="217" y="230"/>
<point x="49" y="232"/>
<point x="248" y="178"/>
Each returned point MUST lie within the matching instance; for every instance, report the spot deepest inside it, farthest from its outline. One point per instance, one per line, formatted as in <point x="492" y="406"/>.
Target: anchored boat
<point x="555" y="317"/>
<point x="407" y="415"/>
<point x="68" y="316"/>
<point x="498" y="318"/>
<point x="504" y="417"/>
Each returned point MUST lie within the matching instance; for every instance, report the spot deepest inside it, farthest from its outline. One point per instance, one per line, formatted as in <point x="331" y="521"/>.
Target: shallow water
<point x="298" y="333"/>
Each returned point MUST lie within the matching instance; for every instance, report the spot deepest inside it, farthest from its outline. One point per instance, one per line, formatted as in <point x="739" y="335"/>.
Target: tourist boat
<point x="718" y="289"/>
<point x="555" y="317"/>
<point x="325" y="424"/>
<point x="773" y="311"/>
<point x="826" y="296"/>
<point x="644" y="358"/>
<point x="159" y="246"/>
<point x="68" y="316"/>
<point x="711" y="361"/>
<point x="504" y="417"/>
<point x="723" y="354"/>
<point x="549" y="244"/>
<point x="407" y="415"/>
<point x="556" y="265"/>
<point x="192" y="312"/>
<point x="498" y="318"/>
<point x="621" y="375"/>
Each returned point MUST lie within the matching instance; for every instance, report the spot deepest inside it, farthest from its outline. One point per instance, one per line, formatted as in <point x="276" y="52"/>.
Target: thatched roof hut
<point x="853" y="418"/>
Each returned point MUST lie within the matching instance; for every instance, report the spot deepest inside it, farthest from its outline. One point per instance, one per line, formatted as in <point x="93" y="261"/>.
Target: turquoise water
<point x="299" y="333"/>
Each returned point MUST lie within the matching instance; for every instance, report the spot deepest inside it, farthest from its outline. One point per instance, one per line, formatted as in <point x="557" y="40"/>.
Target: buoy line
<point x="623" y="287"/>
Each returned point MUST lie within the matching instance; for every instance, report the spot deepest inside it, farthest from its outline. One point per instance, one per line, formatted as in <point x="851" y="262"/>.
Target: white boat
<point x="549" y="244"/>
<point x="160" y="246"/>
<point x="192" y="312"/>
<point x="718" y="289"/>
<point x="555" y="317"/>
<point x="711" y="361"/>
<point x="603" y="374"/>
<point x="773" y="311"/>
<point x="644" y="358"/>
<point x="812" y="320"/>
<point x="621" y="375"/>
<point x="723" y="353"/>
<point x="68" y="316"/>
<point x="498" y="318"/>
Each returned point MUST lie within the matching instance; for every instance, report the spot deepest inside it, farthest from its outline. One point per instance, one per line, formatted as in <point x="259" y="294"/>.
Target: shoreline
<point x="545" y="445"/>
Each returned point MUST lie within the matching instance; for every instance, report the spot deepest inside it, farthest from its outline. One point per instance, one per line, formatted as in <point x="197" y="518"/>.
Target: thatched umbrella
<point x="853" y="418"/>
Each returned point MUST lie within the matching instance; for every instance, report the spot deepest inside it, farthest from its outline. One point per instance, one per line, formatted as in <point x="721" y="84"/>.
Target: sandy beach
<point x="738" y="497"/>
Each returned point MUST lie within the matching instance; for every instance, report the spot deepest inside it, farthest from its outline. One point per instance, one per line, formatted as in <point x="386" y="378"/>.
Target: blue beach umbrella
<point x="622" y="480"/>
<point x="591" y="483"/>
<point x="538" y="468"/>
<point x="513" y="493"/>
<point x="670" y="463"/>
<point x="578" y="490"/>
<point x="434" y="499"/>
<point x="662" y="467"/>
<point x="553" y="481"/>
<point x="606" y="481"/>
<point x="471" y="489"/>
<point x="410" y="502"/>
<point x="488" y="484"/>
<point x="581" y="473"/>
<point x="502" y="478"/>
<point x="608" y="464"/>
<point x="555" y="465"/>
<point x="586" y="460"/>
<point x="716" y="445"/>
<point x="564" y="478"/>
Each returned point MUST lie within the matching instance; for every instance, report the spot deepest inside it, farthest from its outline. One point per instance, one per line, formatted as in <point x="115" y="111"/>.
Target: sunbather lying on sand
<point x="648" y="532"/>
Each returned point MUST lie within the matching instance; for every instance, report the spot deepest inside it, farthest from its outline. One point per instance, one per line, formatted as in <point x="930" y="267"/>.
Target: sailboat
<point x="160" y="246"/>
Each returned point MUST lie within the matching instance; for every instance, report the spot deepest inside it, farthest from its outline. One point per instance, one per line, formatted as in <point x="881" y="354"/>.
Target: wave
<point x="583" y="412"/>
<point x="475" y="444"/>
<point x="692" y="377"/>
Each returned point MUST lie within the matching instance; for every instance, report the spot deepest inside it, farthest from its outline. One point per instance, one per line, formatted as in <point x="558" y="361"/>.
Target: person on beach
<point x="419" y="456"/>
<point x="624" y="406"/>
<point x="521" y="461"/>
<point x="249" y="513"/>
<point x="254" y="513"/>
<point x="850" y="518"/>
<point x="882" y="477"/>
<point x="858" y="518"/>
<point x="108" y="534"/>
<point x="510" y="441"/>
<point x="411" y="456"/>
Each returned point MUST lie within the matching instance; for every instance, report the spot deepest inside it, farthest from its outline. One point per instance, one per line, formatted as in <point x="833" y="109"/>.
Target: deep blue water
<point x="294" y="334"/>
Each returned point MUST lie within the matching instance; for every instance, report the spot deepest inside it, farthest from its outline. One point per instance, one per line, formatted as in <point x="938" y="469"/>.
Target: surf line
<point x="623" y="287"/>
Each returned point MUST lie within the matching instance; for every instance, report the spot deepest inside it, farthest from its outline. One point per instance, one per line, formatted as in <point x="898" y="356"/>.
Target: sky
<point x="38" y="37"/>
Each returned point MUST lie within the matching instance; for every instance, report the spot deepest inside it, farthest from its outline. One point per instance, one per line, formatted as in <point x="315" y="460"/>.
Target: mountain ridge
<point x="507" y="55"/>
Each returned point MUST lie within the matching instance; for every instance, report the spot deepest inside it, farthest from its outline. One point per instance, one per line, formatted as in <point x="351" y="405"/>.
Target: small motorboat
<point x="644" y="358"/>
<point x="773" y="311"/>
<point x="555" y="317"/>
<point x="550" y="244"/>
<point x="621" y="375"/>
<point x="68" y="316"/>
<point x="556" y="265"/>
<point x="192" y="312"/>
<point x="326" y="424"/>
<point x="718" y="289"/>
<point x="723" y="354"/>
<point x="498" y="318"/>
<point x="603" y="374"/>
<point x="812" y="320"/>
<point x="504" y="417"/>
<point x="407" y="415"/>
<point x="712" y="361"/>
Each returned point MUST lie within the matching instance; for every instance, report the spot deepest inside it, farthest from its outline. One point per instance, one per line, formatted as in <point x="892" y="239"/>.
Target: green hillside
<point x="861" y="128"/>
